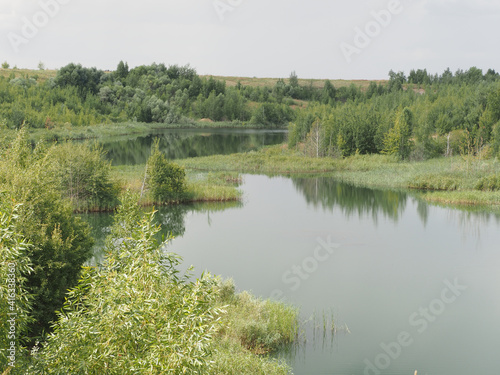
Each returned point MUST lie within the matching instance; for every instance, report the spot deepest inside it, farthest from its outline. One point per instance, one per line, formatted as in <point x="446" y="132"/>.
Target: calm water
<point x="387" y="277"/>
<point x="186" y="143"/>
<point x="411" y="286"/>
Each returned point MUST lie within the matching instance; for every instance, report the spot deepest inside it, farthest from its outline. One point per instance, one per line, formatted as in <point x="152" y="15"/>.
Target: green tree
<point x="136" y="314"/>
<point x="166" y="180"/>
<point x="5" y="65"/>
<point x="397" y="140"/>
<point x="329" y="92"/>
<point x="86" y="80"/>
<point x="396" y="81"/>
<point x="496" y="139"/>
<point x="293" y="80"/>
<point x="122" y="71"/>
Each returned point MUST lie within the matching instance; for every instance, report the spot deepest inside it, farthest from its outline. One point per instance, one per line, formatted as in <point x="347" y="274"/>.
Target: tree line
<point x="441" y="115"/>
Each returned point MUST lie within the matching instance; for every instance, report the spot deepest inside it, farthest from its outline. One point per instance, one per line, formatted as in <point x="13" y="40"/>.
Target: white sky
<point x="262" y="38"/>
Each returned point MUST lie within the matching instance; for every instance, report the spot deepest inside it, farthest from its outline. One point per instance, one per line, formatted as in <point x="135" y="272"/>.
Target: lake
<point x="410" y="286"/>
<point x="188" y="143"/>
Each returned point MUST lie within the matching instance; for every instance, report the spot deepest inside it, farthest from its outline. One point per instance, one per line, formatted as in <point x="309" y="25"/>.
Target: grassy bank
<point x="456" y="180"/>
<point x="201" y="187"/>
<point x="251" y="329"/>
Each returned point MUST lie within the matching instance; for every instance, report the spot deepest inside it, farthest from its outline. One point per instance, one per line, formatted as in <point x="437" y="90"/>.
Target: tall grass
<point x="251" y="328"/>
<point x="261" y="326"/>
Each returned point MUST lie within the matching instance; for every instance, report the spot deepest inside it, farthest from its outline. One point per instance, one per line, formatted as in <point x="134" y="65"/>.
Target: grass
<point x="252" y="326"/>
<point x="42" y="75"/>
<point x="455" y="180"/>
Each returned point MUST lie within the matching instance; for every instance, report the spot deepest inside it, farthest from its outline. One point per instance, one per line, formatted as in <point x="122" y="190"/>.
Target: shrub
<point x="14" y="296"/>
<point x="84" y="175"/>
<point x="135" y="314"/>
<point x="166" y="180"/>
<point x="61" y="241"/>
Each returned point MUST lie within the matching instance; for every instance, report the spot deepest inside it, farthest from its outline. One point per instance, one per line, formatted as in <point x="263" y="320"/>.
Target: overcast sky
<point x="335" y="39"/>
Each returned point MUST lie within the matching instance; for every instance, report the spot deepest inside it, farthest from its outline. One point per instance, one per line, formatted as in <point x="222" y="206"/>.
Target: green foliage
<point x="5" y="65"/>
<point x="135" y="314"/>
<point x="86" y="80"/>
<point x="397" y="140"/>
<point x="252" y="325"/>
<point x="166" y="180"/>
<point x="489" y="183"/>
<point x="396" y="81"/>
<point x="496" y="139"/>
<point x="84" y="175"/>
<point x="263" y="326"/>
<point x="272" y="115"/>
<point x="434" y="182"/>
<point x="122" y="71"/>
<point x="15" y="298"/>
<point x="61" y="241"/>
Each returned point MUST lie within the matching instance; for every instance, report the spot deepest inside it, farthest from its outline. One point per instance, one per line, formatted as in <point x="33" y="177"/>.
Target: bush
<point x="166" y="180"/>
<point x="14" y="297"/>
<point x="135" y="314"/>
<point x="84" y="175"/>
<point x="61" y="241"/>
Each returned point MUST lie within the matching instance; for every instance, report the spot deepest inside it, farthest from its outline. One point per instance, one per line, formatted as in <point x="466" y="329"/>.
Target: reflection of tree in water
<point x="470" y="220"/>
<point x="182" y="145"/>
<point x="172" y="220"/>
<point x="327" y="193"/>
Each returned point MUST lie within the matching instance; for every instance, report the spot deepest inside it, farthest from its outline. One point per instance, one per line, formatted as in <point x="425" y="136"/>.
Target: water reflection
<point x="173" y="220"/>
<point x="181" y="144"/>
<point x="470" y="222"/>
<point x="327" y="193"/>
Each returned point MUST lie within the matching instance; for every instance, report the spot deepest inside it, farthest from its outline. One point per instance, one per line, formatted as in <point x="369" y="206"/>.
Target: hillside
<point x="230" y="81"/>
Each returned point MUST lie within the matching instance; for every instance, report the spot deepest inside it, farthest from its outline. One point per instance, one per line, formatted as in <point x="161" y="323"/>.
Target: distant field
<point x="230" y="81"/>
<point x="318" y="83"/>
<point x="43" y="75"/>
